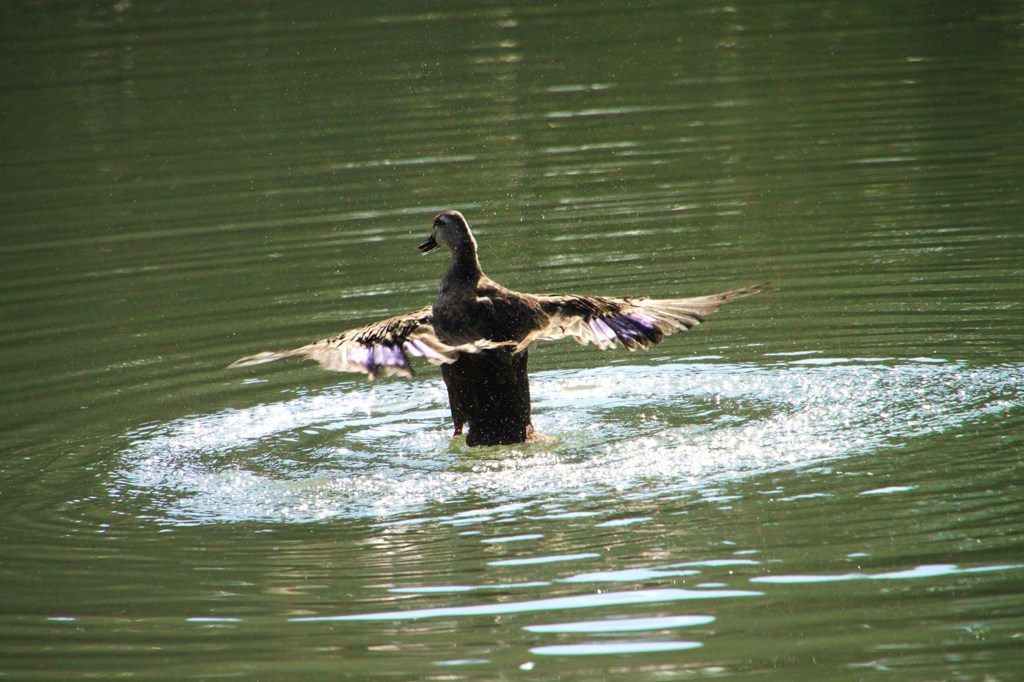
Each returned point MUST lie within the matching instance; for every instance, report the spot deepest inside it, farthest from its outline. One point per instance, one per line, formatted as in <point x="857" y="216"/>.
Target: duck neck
<point x="464" y="269"/>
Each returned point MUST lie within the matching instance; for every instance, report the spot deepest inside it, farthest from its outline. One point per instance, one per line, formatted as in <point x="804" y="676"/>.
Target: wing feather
<point x="632" y="322"/>
<point x="383" y="348"/>
<point x="378" y="349"/>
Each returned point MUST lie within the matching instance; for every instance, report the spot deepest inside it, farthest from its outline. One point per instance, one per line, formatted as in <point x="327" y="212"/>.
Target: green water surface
<point x="823" y="482"/>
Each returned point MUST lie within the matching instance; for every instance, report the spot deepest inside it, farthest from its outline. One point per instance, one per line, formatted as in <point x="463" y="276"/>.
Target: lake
<point x="822" y="482"/>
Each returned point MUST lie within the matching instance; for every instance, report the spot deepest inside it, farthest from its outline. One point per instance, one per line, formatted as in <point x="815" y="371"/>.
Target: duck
<point x="480" y="334"/>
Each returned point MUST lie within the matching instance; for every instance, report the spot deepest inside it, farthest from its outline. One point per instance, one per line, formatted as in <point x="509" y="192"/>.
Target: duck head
<point x="451" y="230"/>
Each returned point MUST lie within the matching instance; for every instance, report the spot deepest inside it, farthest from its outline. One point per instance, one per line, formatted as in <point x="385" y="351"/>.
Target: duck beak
<point x="428" y="246"/>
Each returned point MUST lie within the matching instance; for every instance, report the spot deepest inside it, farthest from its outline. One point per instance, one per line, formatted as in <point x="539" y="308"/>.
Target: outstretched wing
<point x="632" y="322"/>
<point x="378" y="349"/>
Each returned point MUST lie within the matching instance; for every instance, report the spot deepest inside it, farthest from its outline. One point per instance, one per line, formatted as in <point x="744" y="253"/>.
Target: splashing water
<point x="384" y="450"/>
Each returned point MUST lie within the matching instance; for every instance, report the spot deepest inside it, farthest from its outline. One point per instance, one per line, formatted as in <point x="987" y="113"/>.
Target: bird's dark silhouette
<point x="480" y="333"/>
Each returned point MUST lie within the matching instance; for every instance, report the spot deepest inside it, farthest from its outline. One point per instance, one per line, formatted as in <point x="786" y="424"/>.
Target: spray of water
<point x="384" y="450"/>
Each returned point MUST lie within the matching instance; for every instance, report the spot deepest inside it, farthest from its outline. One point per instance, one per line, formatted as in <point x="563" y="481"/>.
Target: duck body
<point x="480" y="332"/>
<point x="489" y="391"/>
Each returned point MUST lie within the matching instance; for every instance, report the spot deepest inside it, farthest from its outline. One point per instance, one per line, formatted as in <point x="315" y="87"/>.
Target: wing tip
<point x="749" y="290"/>
<point x="260" y="359"/>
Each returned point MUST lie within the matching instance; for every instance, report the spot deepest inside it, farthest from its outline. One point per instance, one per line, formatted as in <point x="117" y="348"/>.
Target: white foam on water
<point x="384" y="450"/>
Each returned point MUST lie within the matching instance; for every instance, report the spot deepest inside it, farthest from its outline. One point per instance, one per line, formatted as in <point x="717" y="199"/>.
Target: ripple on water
<point x="383" y="450"/>
<point x="553" y="604"/>
<point x="612" y="625"/>
<point x="612" y="647"/>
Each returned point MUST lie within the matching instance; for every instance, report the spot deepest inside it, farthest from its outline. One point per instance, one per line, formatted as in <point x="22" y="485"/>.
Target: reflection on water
<point x="585" y="601"/>
<point x="936" y="571"/>
<point x="640" y="431"/>
<point x="612" y="647"/>
<point x="624" y="624"/>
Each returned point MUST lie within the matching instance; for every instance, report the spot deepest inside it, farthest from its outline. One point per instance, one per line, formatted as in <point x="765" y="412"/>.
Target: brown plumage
<point x="479" y="332"/>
